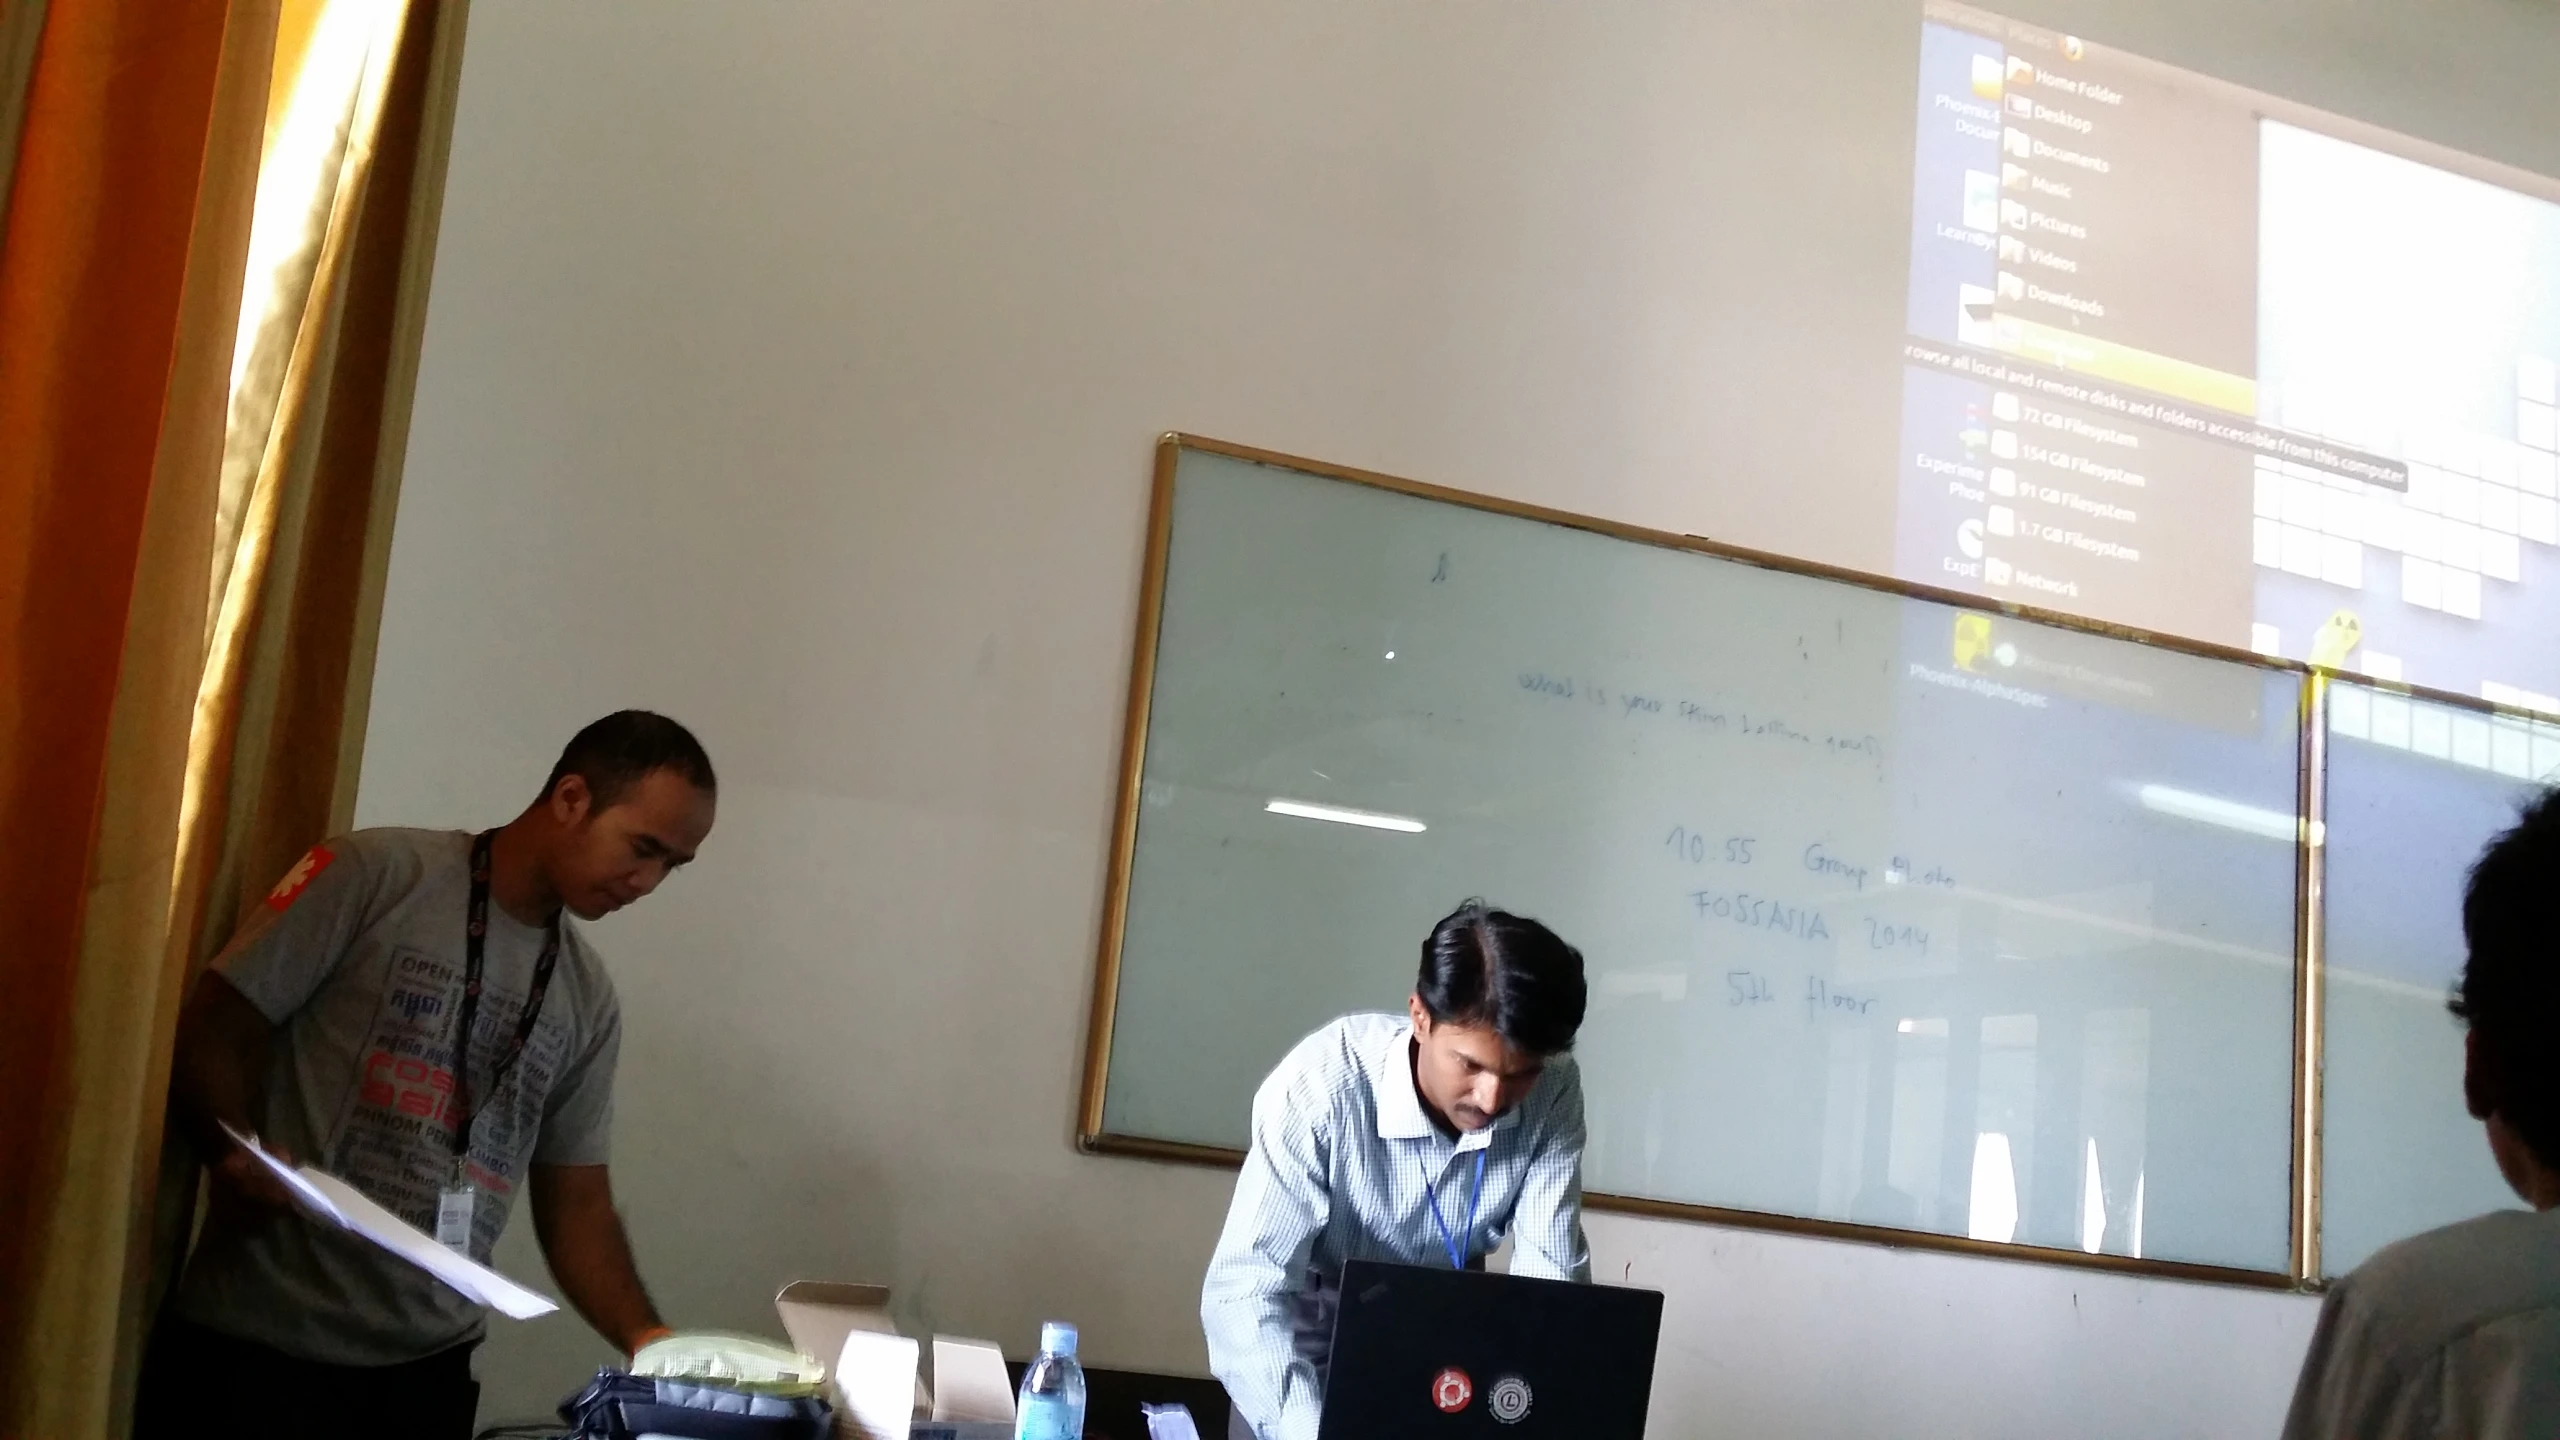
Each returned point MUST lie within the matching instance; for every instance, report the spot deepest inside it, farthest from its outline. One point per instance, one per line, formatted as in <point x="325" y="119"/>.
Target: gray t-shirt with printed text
<point x="357" y="957"/>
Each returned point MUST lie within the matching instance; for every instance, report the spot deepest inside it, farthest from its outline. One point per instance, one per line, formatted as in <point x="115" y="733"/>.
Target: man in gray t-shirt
<point x="329" y="1028"/>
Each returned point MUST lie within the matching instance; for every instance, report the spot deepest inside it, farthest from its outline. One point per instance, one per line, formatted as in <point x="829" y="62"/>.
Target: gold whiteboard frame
<point x="2302" y="1272"/>
<point x="2310" y="974"/>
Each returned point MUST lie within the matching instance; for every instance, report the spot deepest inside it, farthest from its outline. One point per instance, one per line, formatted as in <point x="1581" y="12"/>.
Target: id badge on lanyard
<point x="458" y="1203"/>
<point x="456" y="1207"/>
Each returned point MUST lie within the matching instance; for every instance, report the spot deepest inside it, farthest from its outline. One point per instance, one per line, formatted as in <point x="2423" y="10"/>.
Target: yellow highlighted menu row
<point x="2106" y="360"/>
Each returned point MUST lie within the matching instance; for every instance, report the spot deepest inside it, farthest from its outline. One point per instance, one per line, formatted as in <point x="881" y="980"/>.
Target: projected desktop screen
<point x="2195" y="359"/>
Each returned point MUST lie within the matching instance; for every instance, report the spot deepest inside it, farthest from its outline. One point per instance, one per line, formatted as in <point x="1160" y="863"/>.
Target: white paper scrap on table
<point x="876" y="1385"/>
<point x="330" y="1199"/>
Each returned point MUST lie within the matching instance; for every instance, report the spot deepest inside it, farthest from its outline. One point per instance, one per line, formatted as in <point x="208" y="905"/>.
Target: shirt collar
<point x="1399" y="1104"/>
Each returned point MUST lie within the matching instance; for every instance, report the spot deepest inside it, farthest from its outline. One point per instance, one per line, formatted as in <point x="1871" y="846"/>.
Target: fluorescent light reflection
<point x="2227" y="814"/>
<point x="1993" y="1214"/>
<point x="2093" y="1204"/>
<point x="1368" y="819"/>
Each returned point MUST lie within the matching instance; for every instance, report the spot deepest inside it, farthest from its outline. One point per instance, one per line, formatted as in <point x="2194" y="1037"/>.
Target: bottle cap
<point x="1057" y="1338"/>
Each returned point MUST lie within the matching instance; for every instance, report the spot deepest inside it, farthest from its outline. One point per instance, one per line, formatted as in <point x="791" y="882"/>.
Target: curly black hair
<point x="2509" y="992"/>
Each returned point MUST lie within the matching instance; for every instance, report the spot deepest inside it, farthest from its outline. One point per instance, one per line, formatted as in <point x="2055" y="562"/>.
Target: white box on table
<point x="870" y="1364"/>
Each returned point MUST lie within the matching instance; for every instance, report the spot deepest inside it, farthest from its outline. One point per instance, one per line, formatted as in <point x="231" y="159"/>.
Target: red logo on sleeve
<point x="299" y="878"/>
<point x="1451" y="1390"/>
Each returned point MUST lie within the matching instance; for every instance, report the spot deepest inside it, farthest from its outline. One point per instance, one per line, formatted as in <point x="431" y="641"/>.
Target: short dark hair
<point x="1485" y="967"/>
<point x="2509" y="993"/>
<point x="626" y="747"/>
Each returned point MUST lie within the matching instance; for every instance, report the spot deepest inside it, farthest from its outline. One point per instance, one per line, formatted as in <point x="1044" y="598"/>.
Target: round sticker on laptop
<point x="1508" y="1399"/>
<point x="1451" y="1390"/>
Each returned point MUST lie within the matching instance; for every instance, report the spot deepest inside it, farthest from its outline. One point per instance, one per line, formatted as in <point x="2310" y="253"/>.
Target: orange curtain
<point x="128" y="219"/>
<point x="190" y="560"/>
<point x="318" y="422"/>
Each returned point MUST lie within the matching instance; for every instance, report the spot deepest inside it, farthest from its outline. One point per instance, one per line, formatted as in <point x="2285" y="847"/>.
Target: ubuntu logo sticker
<point x="299" y="878"/>
<point x="1451" y="1390"/>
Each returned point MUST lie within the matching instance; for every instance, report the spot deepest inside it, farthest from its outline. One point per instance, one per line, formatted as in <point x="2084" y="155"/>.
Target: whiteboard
<point x="2416" y="789"/>
<point x="1895" y="914"/>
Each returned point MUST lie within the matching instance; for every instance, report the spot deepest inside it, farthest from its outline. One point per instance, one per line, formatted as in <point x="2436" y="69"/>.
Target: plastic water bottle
<point x="1052" y="1402"/>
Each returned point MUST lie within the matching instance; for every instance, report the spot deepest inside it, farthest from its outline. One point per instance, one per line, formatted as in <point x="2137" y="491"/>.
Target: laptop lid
<point x="1452" y="1353"/>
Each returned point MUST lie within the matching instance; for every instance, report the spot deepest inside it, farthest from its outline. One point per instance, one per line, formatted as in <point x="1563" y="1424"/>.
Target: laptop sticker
<point x="1508" y="1399"/>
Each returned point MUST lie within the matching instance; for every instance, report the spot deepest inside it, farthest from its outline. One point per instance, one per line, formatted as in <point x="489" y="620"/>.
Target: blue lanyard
<point x="1431" y="1192"/>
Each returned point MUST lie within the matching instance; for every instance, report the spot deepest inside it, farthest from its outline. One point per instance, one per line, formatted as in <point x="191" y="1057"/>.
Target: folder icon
<point x="2013" y="175"/>
<point x="2012" y="250"/>
<point x="2013" y="214"/>
<point x="1986" y="76"/>
<point x="2018" y="143"/>
<point x="2011" y="287"/>
<point x="2022" y="71"/>
<point x="2018" y="104"/>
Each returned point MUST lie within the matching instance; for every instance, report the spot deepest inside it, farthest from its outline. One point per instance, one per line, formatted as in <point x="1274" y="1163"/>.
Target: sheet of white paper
<point x="420" y="1249"/>
<point x="969" y="1381"/>
<point x="333" y="1200"/>
<point x="876" y="1385"/>
<point x="309" y="1195"/>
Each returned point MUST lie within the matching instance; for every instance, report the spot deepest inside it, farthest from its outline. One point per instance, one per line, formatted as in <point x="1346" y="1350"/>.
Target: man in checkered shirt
<point x="1427" y="1138"/>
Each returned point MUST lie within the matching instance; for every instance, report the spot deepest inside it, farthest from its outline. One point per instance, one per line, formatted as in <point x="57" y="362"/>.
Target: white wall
<point x="793" y="368"/>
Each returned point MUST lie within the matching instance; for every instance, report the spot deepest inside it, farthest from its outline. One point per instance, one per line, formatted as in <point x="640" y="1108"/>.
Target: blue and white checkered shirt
<point x="1343" y="1166"/>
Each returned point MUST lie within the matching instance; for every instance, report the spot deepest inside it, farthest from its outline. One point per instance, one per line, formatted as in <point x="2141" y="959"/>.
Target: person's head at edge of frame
<point x="628" y="804"/>
<point x="1498" y="997"/>
<point x="2509" y="997"/>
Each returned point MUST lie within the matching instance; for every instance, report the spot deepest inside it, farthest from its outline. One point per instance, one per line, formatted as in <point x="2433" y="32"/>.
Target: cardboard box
<point x="871" y="1368"/>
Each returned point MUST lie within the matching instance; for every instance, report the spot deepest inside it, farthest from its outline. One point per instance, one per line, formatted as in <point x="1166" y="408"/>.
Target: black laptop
<point x="1461" y="1353"/>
